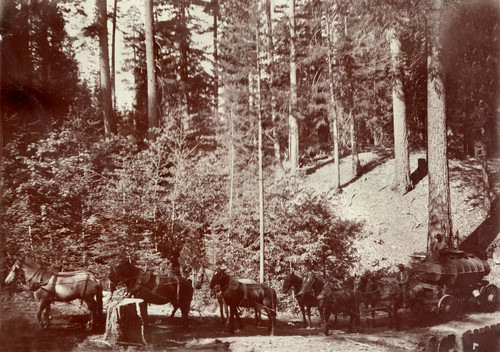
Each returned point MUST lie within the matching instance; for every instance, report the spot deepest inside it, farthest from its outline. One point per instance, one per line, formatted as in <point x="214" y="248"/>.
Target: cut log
<point x="125" y="321"/>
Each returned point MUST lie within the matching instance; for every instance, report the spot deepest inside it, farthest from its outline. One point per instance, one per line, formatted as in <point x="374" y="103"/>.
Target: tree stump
<point x="125" y="321"/>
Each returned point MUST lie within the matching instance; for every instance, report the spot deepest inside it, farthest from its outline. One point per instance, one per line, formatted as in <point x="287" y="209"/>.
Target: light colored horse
<point x="49" y="286"/>
<point x="205" y="275"/>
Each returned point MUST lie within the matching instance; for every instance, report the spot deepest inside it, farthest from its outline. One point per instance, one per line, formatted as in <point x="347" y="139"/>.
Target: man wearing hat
<point x="438" y="247"/>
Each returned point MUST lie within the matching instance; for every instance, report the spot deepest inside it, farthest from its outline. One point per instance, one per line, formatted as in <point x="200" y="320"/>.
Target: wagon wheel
<point x="447" y="308"/>
<point x="489" y="297"/>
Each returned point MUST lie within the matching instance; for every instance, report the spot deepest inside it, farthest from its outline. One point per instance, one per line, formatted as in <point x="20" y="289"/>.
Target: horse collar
<point x="234" y="284"/>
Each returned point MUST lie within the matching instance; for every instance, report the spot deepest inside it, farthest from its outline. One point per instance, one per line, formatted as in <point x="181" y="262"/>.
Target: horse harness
<point x="35" y="282"/>
<point x="143" y="279"/>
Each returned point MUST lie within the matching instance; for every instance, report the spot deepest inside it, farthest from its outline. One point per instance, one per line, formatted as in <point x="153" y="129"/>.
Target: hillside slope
<point x="395" y="224"/>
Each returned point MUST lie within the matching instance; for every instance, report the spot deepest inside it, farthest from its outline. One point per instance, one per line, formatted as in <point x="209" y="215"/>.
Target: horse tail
<point x="98" y="297"/>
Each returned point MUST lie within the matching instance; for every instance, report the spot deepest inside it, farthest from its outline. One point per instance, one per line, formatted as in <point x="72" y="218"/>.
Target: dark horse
<point x="305" y="301"/>
<point x="205" y="275"/>
<point x="49" y="286"/>
<point x="237" y="294"/>
<point x="333" y="300"/>
<point x="381" y="294"/>
<point x="152" y="288"/>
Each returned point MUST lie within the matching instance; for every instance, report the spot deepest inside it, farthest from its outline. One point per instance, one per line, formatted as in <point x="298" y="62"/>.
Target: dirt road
<point x="19" y="332"/>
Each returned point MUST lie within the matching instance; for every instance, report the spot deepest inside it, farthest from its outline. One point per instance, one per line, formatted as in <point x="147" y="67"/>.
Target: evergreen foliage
<point x="75" y="198"/>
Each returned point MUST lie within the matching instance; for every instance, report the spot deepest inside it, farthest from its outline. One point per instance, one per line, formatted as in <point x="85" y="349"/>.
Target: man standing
<point x="403" y="280"/>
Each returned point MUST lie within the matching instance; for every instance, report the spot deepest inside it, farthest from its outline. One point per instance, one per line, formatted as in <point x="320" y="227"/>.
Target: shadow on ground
<point x="479" y="240"/>
<point x="22" y="333"/>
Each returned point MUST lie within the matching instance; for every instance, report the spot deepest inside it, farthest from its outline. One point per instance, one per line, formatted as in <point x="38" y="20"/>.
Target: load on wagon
<point x="456" y="281"/>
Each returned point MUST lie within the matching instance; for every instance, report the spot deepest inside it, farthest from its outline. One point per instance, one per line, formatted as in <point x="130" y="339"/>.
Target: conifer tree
<point x="439" y="222"/>
<point x="106" y="101"/>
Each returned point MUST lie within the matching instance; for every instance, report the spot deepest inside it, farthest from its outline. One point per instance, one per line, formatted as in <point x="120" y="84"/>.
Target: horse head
<point x="220" y="278"/>
<point x="124" y="271"/>
<point x="114" y="280"/>
<point x="287" y="283"/>
<point x="14" y="271"/>
<point x="359" y="283"/>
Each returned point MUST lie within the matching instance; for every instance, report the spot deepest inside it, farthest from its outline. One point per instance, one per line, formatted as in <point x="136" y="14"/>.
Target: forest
<point x="205" y="164"/>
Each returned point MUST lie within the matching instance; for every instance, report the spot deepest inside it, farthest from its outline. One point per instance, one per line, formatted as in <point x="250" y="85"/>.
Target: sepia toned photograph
<point x="249" y="175"/>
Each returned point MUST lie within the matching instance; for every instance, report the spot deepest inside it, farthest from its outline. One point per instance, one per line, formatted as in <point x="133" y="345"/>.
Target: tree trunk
<point x="402" y="179"/>
<point x="334" y="109"/>
<point x="2" y="232"/>
<point x="215" y="4"/>
<point x="150" y="63"/>
<point x="355" y="163"/>
<point x="108" y="115"/>
<point x="293" y="125"/>
<point x="439" y="221"/>
<point x="251" y="92"/>
<point x="270" y="59"/>
<point x="261" y="156"/>
<point x="44" y="45"/>
<point x="232" y="152"/>
<point x="125" y="321"/>
<point x="184" y="49"/>
<point x="113" y="57"/>
<point x="24" y="74"/>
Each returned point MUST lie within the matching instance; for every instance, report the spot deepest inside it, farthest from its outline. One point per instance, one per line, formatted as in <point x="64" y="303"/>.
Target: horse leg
<point x="272" y="320"/>
<point x="309" y="323"/>
<point x="303" y="311"/>
<point x="185" y="316"/>
<point x="396" y="316"/>
<point x="44" y="314"/>
<point x="238" y="313"/>
<point x="257" y="316"/>
<point x="372" y="313"/>
<point x="358" y="314"/>
<point x="172" y="315"/>
<point x="232" y="312"/>
<point x="222" y="305"/>
<point x="92" y="308"/>
<point x="326" y="317"/>
<point x="352" y="319"/>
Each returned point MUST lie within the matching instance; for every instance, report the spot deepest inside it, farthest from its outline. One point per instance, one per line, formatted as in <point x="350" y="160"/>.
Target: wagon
<point x="457" y="281"/>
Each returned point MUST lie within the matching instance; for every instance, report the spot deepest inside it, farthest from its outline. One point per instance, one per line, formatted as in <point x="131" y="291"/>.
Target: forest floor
<point x="20" y="332"/>
<point x="395" y="227"/>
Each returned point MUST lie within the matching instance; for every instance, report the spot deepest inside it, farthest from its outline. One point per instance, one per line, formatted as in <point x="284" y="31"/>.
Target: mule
<point x="336" y="301"/>
<point x="153" y="288"/>
<point x="331" y="300"/>
<point x="49" y="286"/>
<point x="205" y="275"/>
<point x="237" y="294"/>
<point x="381" y="294"/>
<point x="305" y="301"/>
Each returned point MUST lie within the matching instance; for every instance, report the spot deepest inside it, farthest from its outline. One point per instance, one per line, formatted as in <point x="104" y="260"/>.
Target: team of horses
<point x="368" y="290"/>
